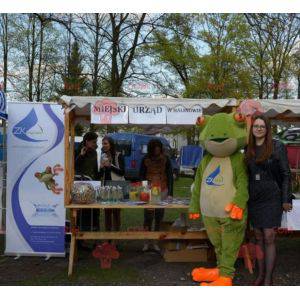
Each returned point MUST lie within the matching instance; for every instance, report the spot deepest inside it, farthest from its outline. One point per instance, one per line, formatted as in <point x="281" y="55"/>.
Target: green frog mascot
<point x="220" y="193"/>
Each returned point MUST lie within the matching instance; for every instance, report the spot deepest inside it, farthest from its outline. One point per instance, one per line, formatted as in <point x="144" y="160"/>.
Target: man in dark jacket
<point x="86" y="165"/>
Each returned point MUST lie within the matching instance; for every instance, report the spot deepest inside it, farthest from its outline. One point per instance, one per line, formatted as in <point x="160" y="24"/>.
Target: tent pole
<point x="72" y="148"/>
<point x="67" y="159"/>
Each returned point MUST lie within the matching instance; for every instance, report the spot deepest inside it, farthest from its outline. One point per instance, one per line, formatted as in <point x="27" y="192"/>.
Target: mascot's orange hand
<point x="194" y="216"/>
<point x="235" y="211"/>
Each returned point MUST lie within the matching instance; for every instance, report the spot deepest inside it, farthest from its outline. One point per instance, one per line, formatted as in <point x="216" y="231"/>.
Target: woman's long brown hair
<point x="267" y="145"/>
<point x="112" y="145"/>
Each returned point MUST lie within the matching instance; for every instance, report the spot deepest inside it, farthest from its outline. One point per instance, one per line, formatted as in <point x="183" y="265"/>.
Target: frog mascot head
<point x="222" y="134"/>
<point x="220" y="193"/>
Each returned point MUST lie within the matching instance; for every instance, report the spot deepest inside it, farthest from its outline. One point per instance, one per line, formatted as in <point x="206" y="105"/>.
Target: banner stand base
<point x="46" y="255"/>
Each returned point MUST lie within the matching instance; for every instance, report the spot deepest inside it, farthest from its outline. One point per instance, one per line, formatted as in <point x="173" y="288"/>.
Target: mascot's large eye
<point x="200" y="121"/>
<point x="239" y="117"/>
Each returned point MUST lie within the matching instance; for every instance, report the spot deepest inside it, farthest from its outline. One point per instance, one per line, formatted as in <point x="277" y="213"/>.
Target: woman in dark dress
<point x="156" y="167"/>
<point x="269" y="192"/>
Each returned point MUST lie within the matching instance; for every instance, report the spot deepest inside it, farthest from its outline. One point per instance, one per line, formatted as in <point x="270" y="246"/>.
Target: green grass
<point x="182" y="187"/>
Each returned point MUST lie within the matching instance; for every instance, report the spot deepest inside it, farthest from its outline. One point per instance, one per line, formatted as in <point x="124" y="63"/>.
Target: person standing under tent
<point x="111" y="168"/>
<point x="86" y="166"/>
<point x="269" y="192"/>
<point x="156" y="167"/>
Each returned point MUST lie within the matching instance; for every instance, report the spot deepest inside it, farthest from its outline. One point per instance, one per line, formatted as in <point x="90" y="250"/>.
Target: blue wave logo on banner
<point x="22" y="129"/>
<point x="215" y="179"/>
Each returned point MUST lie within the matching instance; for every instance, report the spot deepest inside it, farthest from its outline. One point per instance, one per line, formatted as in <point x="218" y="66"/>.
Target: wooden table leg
<point x="76" y="251"/>
<point x="75" y="215"/>
<point x="73" y="247"/>
<point x="72" y="252"/>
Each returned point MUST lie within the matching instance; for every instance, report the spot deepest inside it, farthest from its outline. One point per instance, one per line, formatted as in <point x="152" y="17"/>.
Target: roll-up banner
<point x="35" y="215"/>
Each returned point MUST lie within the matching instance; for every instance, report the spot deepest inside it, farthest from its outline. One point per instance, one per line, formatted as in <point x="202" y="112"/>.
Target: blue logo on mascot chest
<point x="215" y="179"/>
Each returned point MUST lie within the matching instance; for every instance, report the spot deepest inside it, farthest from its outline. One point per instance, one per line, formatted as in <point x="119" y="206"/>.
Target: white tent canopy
<point x="281" y="105"/>
<point x="280" y="111"/>
<point x="278" y="105"/>
<point x="81" y="101"/>
<point x="158" y="112"/>
<point x="274" y="108"/>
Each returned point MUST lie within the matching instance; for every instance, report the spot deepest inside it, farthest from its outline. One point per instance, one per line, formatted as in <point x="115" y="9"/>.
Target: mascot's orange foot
<point x="203" y="274"/>
<point x="221" y="281"/>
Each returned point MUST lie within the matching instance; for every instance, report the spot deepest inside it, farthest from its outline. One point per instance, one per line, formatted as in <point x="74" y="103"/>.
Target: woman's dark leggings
<point x="265" y="239"/>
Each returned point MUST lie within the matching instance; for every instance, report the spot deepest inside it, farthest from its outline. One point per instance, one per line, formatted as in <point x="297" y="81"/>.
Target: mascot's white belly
<point x="217" y="189"/>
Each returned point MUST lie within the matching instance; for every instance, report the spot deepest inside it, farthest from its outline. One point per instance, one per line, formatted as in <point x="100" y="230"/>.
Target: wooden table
<point x="124" y="235"/>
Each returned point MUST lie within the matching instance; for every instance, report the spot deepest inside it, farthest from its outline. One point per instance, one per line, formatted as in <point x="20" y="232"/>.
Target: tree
<point x="255" y="51"/>
<point x="93" y="29"/>
<point x="296" y="69"/>
<point x="34" y="53"/>
<point x="222" y="72"/>
<point x="279" y="32"/>
<point x="174" y="58"/>
<point x="126" y="34"/>
<point x="5" y="47"/>
<point x="201" y="53"/>
<point x="74" y="81"/>
<point x="173" y="52"/>
<point x="43" y="25"/>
